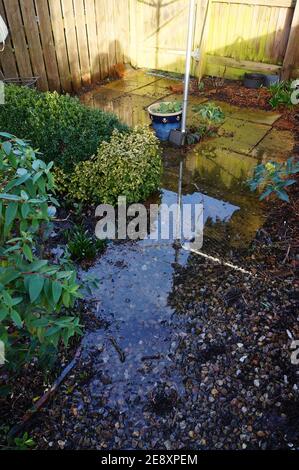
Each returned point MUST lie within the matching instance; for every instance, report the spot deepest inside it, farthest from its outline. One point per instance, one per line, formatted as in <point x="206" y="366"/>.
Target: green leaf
<point x="3" y="313"/>
<point x="6" y="135"/>
<point x="17" y="300"/>
<point x="7" y="146"/>
<point x="10" y="214"/>
<point x="10" y="197"/>
<point x="56" y="290"/>
<point x="66" y="299"/>
<point x="36" y="284"/>
<point x="16" y="318"/>
<point x="10" y="274"/>
<point x="37" y="176"/>
<point x="27" y="252"/>
<point x="283" y="195"/>
<point x="289" y="182"/>
<point x="52" y="331"/>
<point x="266" y="193"/>
<point x="25" y="209"/>
<point x="37" y="265"/>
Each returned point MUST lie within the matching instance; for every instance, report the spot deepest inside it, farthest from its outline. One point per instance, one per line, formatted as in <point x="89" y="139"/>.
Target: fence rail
<point x="73" y="43"/>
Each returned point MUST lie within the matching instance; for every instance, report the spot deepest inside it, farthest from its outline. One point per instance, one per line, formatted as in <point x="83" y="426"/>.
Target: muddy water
<point x="132" y="358"/>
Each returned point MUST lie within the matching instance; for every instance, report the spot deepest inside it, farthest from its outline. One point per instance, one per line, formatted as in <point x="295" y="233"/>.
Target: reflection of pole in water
<point x="177" y="242"/>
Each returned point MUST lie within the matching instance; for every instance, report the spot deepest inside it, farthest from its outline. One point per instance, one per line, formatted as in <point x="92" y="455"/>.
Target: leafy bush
<point x="66" y="131"/>
<point x="83" y="246"/>
<point x="209" y="113"/>
<point x="281" y="94"/>
<point x="33" y="292"/>
<point x="168" y="107"/>
<point x="129" y="165"/>
<point x="211" y="116"/>
<point x="273" y="178"/>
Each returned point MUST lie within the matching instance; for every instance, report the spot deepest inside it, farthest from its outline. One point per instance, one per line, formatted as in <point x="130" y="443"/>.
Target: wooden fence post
<point x="204" y="37"/>
<point x="133" y="35"/>
<point x="290" y="55"/>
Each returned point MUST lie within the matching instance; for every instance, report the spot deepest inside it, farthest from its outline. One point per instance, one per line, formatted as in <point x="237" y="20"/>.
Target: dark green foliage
<point x="24" y="443"/>
<point x="281" y="94"/>
<point x="273" y="178"/>
<point x="66" y="131"/>
<point x="169" y="107"/>
<point x="34" y="293"/>
<point x="210" y="117"/>
<point x="129" y="165"/>
<point x="82" y="246"/>
<point x="209" y="113"/>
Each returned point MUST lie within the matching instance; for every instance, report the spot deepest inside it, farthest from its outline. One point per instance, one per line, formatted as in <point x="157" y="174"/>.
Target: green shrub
<point x="82" y="246"/>
<point x="210" y="114"/>
<point x="281" y="94"/>
<point x="129" y="165"/>
<point x="273" y="178"/>
<point x="66" y="131"/>
<point x="33" y="292"/>
<point x="210" y="118"/>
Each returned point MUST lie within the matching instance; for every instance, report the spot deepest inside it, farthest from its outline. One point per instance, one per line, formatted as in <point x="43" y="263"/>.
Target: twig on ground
<point x="15" y="430"/>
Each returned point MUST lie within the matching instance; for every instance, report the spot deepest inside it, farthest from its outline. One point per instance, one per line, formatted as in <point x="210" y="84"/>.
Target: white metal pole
<point x="188" y="61"/>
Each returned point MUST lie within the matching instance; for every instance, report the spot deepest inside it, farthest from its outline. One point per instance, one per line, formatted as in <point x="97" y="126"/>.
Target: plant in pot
<point x="166" y="116"/>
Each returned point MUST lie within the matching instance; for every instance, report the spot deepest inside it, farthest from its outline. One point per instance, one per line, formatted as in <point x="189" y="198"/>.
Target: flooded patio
<point x="178" y="327"/>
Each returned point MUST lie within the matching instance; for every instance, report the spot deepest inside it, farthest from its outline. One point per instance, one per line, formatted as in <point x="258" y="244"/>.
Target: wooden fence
<point x="231" y="36"/>
<point x="67" y="43"/>
<point x="72" y="43"/>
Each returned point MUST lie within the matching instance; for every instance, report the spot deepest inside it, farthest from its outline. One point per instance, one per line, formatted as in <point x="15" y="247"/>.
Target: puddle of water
<point x="135" y="352"/>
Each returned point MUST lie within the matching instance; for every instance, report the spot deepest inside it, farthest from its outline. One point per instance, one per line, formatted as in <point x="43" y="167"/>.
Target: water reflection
<point x="136" y="282"/>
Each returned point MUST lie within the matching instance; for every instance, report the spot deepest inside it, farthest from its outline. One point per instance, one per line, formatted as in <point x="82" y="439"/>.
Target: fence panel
<point x="72" y="43"/>
<point x="249" y="31"/>
<point x="67" y="43"/>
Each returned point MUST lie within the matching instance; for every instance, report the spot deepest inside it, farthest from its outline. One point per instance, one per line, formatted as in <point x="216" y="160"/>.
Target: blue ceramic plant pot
<point x="164" y="123"/>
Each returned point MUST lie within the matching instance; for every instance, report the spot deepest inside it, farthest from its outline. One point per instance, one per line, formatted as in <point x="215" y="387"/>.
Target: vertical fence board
<point x="45" y="29"/>
<point x="107" y="5"/>
<point x="103" y="44"/>
<point x="16" y="30"/>
<point x="79" y="10"/>
<point x="92" y="40"/>
<point x="60" y="45"/>
<point x="7" y="58"/>
<point x="124" y="25"/>
<point x="204" y="38"/>
<point x="71" y="41"/>
<point x="291" y="58"/>
<point x="34" y="44"/>
<point x="133" y="33"/>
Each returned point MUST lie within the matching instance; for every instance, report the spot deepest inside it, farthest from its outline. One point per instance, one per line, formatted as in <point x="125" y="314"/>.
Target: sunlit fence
<point x="72" y="43"/>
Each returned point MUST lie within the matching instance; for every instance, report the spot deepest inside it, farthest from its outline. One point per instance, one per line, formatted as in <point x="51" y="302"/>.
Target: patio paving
<point x="245" y="131"/>
<point x="241" y="136"/>
<point x="132" y="109"/>
<point x="277" y="145"/>
<point x="131" y="81"/>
